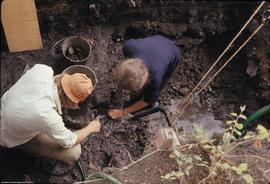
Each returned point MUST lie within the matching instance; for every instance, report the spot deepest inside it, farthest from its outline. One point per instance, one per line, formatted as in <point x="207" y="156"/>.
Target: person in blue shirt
<point x="149" y="65"/>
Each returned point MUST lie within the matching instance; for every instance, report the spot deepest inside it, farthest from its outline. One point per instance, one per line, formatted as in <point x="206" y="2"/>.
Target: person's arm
<point x="54" y="127"/>
<point x="136" y="106"/>
<point x="119" y="113"/>
<point x="92" y="127"/>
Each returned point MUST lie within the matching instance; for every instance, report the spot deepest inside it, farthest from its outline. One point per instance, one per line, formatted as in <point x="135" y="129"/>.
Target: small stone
<point x="70" y="50"/>
<point x="92" y="6"/>
<point x="131" y="3"/>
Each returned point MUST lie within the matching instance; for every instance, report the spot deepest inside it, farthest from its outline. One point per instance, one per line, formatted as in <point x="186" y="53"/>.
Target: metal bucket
<point x="82" y="69"/>
<point x="70" y="51"/>
<point x="76" y="49"/>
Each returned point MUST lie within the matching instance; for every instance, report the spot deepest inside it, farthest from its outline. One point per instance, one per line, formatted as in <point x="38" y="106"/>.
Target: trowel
<point x="142" y="113"/>
<point x="126" y="117"/>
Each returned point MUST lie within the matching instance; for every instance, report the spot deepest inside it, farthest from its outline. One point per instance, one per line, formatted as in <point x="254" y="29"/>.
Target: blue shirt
<point x="160" y="56"/>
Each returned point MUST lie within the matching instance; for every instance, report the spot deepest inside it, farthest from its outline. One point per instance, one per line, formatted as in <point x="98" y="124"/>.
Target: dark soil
<point x="258" y="160"/>
<point x="76" y="54"/>
<point x="151" y="167"/>
<point x="201" y="29"/>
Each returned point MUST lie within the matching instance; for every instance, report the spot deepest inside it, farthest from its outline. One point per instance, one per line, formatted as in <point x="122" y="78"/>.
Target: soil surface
<point x="200" y="29"/>
<point x="152" y="166"/>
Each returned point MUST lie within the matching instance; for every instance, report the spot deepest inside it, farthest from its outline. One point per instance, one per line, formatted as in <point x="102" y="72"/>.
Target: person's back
<point x="149" y="65"/>
<point x="31" y="113"/>
<point x="23" y="105"/>
<point x="160" y="56"/>
<point x="156" y="49"/>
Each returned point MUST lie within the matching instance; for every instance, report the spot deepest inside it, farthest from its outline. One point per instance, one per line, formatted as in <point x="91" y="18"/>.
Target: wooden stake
<point x="20" y="23"/>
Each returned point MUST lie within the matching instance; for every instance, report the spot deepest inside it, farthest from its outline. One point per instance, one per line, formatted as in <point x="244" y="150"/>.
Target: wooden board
<point x="20" y="23"/>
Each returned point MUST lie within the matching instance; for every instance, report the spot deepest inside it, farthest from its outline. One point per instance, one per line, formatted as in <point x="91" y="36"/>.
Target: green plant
<point x="217" y="153"/>
<point x="185" y="164"/>
<point x="234" y="128"/>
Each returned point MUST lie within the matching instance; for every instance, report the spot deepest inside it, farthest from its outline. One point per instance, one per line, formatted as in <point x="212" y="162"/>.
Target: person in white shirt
<point x="31" y="113"/>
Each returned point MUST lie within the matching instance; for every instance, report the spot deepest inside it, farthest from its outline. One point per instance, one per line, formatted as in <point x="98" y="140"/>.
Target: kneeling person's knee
<point x="75" y="153"/>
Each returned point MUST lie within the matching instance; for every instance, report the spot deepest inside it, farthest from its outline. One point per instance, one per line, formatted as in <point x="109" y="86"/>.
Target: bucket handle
<point x="57" y="43"/>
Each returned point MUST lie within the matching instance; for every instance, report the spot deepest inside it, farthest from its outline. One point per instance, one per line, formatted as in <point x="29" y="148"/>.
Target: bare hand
<point x="116" y="113"/>
<point x="95" y="125"/>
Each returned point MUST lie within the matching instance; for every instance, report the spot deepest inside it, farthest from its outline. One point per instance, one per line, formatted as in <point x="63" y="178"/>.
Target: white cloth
<point x="32" y="106"/>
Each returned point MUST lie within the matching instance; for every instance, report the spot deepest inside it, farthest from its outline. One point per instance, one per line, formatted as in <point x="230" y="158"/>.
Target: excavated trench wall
<point x="192" y="25"/>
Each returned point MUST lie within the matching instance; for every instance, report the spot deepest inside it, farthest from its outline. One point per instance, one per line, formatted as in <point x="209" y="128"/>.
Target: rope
<point x="103" y="176"/>
<point x="142" y="158"/>
<point x="226" y="49"/>
<point x="188" y="100"/>
<point x="210" y="80"/>
<point x="232" y="56"/>
<point x="81" y="169"/>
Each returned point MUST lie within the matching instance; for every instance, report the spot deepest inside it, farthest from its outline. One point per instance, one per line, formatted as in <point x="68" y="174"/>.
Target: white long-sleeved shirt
<point x="32" y="106"/>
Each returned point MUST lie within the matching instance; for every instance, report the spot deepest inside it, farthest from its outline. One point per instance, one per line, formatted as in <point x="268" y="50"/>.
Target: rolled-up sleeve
<point x="55" y="128"/>
<point x="63" y="136"/>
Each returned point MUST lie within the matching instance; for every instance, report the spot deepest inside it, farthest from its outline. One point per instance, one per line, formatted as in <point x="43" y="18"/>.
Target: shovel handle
<point x="103" y="116"/>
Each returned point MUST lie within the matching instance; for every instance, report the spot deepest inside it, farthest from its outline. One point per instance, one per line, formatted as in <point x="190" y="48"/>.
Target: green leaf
<point x="243" y="108"/>
<point x="188" y="160"/>
<point x="207" y="147"/>
<point x="243" y="166"/>
<point x="263" y="132"/>
<point x="197" y="157"/>
<point x="172" y="155"/>
<point x="248" y="178"/>
<point x="229" y="122"/>
<point x="187" y="172"/>
<point x="242" y="116"/>
<point x="233" y="138"/>
<point x="167" y="176"/>
<point x="239" y="126"/>
<point x="178" y="174"/>
<point x="261" y="129"/>
<point x="233" y="114"/>
<point x="179" y="162"/>
<point x="226" y="137"/>
<point x="205" y="141"/>
<point x="177" y="153"/>
<point x="237" y="170"/>
<point x="189" y="167"/>
<point x="238" y="132"/>
<point x="226" y="166"/>
<point x="220" y="149"/>
<point x="203" y="165"/>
